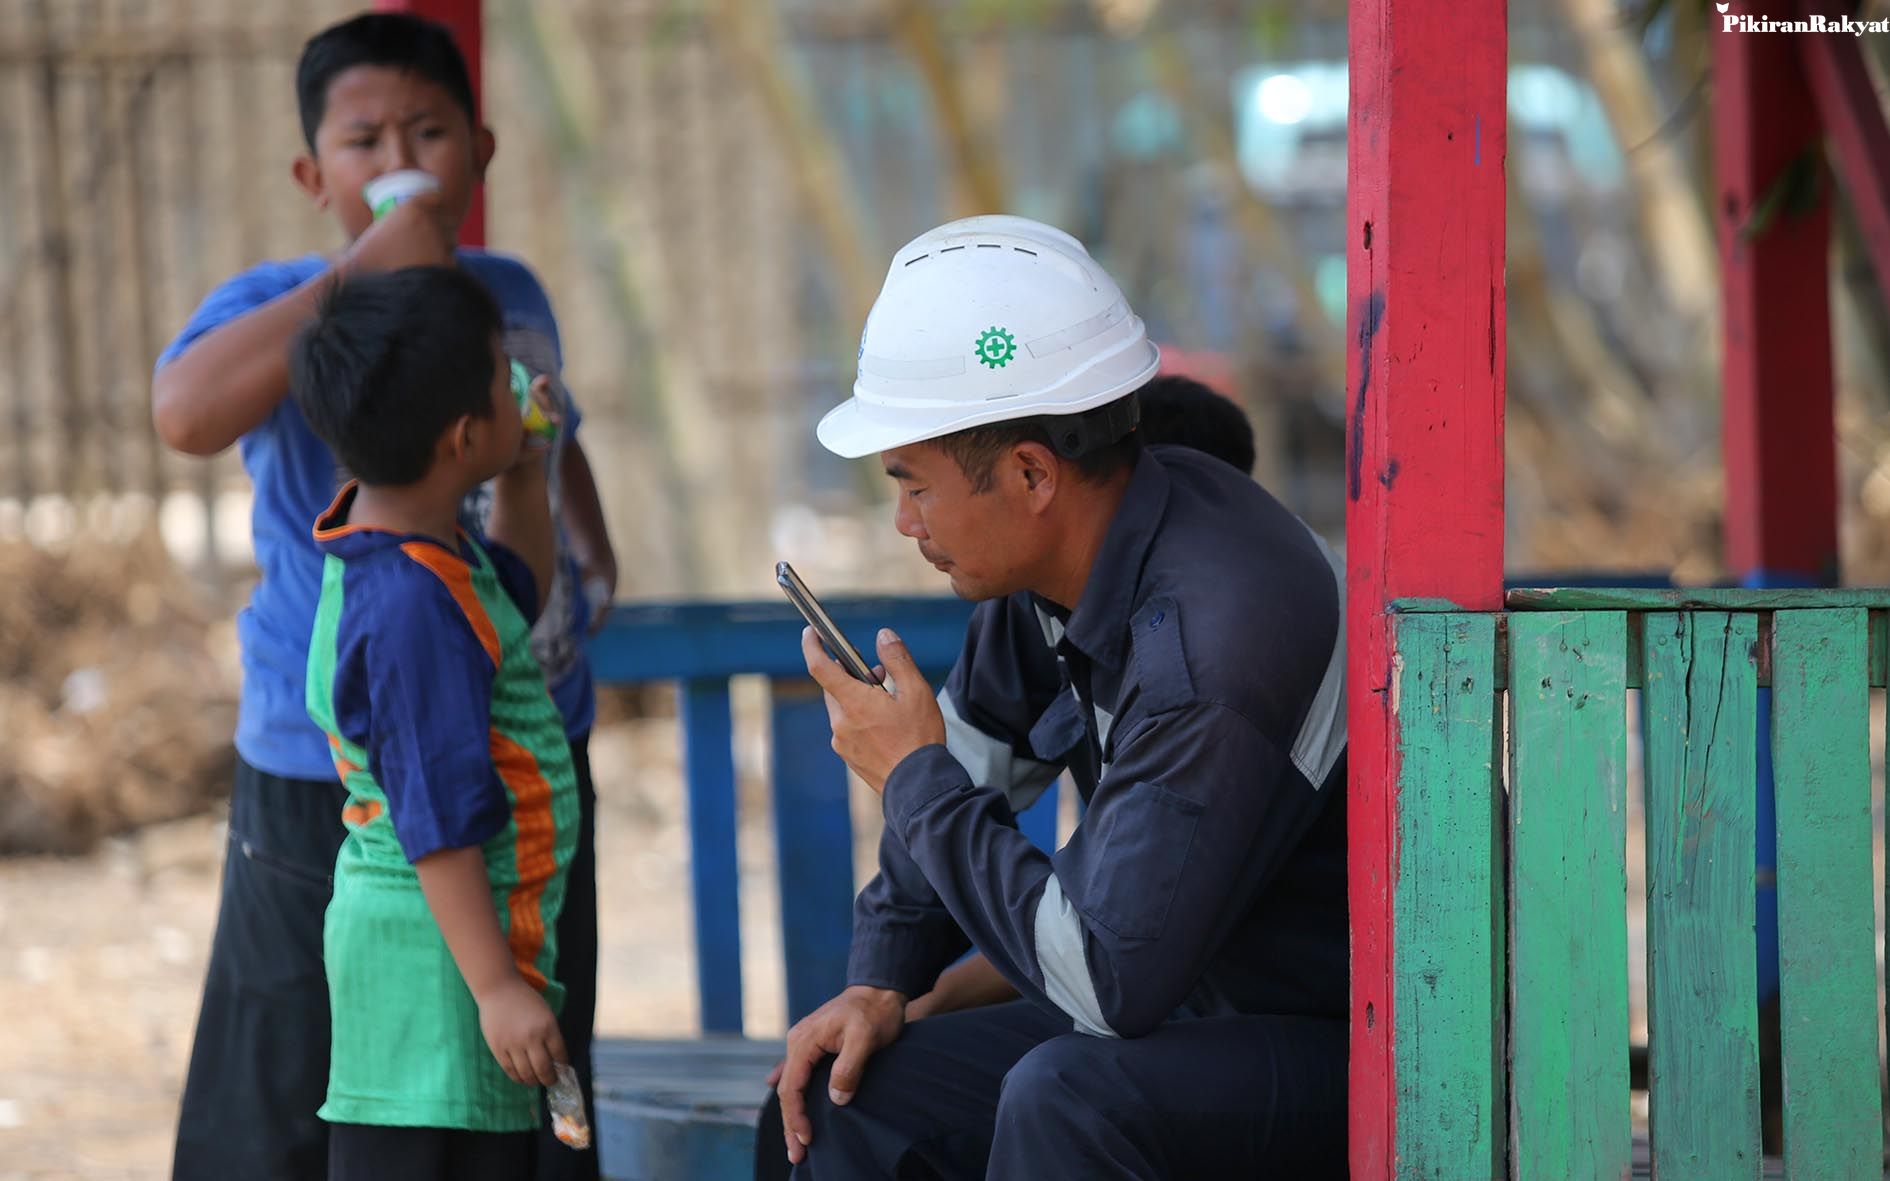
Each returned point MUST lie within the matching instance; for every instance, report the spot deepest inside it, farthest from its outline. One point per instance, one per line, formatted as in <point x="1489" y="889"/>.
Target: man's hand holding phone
<point x="874" y="729"/>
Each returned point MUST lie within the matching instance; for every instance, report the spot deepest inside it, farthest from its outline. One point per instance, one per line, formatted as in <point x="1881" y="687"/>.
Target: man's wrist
<point x="893" y="959"/>
<point x="890" y="999"/>
<point x="917" y="780"/>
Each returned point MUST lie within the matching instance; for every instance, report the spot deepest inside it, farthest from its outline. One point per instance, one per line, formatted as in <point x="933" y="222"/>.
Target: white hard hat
<point x="985" y="320"/>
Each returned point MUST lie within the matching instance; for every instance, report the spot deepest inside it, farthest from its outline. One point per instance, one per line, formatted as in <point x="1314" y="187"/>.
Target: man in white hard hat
<point x="1166" y="995"/>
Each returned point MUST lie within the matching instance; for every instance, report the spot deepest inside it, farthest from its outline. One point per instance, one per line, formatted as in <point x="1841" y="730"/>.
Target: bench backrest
<point x="700" y="646"/>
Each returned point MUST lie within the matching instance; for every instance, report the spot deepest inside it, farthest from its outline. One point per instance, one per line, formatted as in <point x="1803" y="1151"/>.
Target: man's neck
<point x="1091" y="514"/>
<point x="408" y="508"/>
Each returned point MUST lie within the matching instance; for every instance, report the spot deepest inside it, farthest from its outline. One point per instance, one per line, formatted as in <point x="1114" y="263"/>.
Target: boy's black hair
<point x="397" y="40"/>
<point x="389" y="362"/>
<point x="1181" y="410"/>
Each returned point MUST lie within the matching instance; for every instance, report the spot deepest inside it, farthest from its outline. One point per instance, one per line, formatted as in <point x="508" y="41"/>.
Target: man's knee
<point x="836" y="1128"/>
<point x="1059" y="1079"/>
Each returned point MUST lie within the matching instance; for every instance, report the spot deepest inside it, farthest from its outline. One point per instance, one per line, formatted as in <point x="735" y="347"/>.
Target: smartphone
<point x="817" y="618"/>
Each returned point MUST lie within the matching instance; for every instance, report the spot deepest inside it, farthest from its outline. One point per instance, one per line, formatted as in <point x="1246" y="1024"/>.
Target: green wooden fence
<point x="1511" y="938"/>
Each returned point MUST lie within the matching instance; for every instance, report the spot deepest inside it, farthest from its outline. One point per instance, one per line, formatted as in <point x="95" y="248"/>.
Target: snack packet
<point x="566" y="1098"/>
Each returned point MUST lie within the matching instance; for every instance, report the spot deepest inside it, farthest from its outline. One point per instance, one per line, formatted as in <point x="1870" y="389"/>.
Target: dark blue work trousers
<point x="1009" y="1093"/>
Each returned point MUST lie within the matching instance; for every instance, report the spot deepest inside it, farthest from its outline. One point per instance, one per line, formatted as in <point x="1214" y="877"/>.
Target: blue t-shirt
<point x="296" y="477"/>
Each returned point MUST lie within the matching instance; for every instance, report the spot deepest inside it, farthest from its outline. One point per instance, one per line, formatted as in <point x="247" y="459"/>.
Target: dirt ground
<point x="104" y="957"/>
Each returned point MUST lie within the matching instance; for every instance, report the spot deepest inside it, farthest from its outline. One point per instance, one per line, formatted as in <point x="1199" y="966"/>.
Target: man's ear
<point x="1041" y="470"/>
<point x="484" y="145"/>
<point x="308" y="177"/>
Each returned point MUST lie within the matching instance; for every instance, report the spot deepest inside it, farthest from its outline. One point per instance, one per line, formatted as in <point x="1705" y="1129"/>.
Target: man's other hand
<point x="853" y="1027"/>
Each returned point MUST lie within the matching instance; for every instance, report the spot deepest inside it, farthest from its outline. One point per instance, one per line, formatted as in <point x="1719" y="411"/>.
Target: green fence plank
<point x="1743" y="599"/>
<point x="1827" y="928"/>
<point x="1445" y="1039"/>
<point x="1568" y="1026"/>
<point x="1703" y="1054"/>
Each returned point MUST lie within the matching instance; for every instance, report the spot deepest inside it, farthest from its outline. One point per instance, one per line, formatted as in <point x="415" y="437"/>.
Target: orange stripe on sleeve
<point x="344" y="767"/>
<point x="457" y="576"/>
<point x="535" y="852"/>
<point x="360" y="815"/>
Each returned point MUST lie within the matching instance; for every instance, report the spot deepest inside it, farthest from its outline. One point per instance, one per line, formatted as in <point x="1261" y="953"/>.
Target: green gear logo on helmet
<point x="996" y="347"/>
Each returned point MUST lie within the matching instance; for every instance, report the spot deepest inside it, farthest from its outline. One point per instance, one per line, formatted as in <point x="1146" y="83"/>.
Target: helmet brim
<point x="857" y="428"/>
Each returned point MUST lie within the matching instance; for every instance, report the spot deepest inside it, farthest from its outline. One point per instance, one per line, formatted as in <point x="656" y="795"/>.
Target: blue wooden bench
<point x="686" y="1108"/>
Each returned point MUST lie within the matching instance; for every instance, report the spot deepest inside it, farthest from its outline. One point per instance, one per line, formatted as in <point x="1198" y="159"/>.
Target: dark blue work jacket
<point x="1197" y="696"/>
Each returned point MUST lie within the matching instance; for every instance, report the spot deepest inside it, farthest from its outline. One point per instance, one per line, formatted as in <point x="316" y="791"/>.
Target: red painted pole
<point x="1424" y="429"/>
<point x="1777" y="433"/>
<point x="466" y="21"/>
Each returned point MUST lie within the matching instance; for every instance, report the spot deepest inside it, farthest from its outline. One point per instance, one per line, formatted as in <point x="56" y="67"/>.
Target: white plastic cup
<point x="389" y="189"/>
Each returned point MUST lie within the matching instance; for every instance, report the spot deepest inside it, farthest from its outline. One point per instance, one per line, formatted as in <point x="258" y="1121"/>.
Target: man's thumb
<point x="892" y="649"/>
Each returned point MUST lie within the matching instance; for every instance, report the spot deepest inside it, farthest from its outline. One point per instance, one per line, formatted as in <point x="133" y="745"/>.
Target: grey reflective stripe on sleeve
<point x="1066" y="979"/>
<point x="1322" y="736"/>
<point x="991" y="762"/>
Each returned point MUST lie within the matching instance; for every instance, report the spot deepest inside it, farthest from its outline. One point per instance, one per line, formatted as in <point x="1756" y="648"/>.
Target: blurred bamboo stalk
<point x="1667" y="206"/>
<point x="56" y="251"/>
<point x="751" y="34"/>
<point x="1554" y="321"/>
<point x="666" y="389"/>
<point x="978" y="184"/>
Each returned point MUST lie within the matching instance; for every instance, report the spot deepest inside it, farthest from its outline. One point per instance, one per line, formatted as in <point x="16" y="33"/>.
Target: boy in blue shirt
<point x="377" y="93"/>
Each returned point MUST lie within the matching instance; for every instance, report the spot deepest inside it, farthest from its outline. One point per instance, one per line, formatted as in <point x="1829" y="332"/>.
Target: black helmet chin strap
<point x="1076" y="435"/>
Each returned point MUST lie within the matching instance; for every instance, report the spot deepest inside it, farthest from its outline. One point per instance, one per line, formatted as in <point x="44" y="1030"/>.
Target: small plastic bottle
<point x="389" y="189"/>
<point x="533" y="416"/>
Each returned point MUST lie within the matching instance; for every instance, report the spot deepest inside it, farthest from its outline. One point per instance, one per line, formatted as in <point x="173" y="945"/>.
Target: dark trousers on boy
<point x="259" y="1065"/>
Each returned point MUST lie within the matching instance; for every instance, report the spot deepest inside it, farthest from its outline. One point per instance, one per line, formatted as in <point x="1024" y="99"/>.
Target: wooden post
<point x="1424" y="461"/>
<point x="1778" y="434"/>
<point x="813" y="832"/>
<point x="465" y="20"/>
<point x="714" y="864"/>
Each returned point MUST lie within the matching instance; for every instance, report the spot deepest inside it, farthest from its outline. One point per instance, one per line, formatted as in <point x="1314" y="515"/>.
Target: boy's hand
<point x="521" y="1032"/>
<point x="412" y="234"/>
<point x="533" y="446"/>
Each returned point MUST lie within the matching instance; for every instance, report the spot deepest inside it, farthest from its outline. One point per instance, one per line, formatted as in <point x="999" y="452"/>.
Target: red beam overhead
<point x="1852" y="116"/>
<point x="1777" y="432"/>
<point x="1424" y="428"/>
<point x="465" y="19"/>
